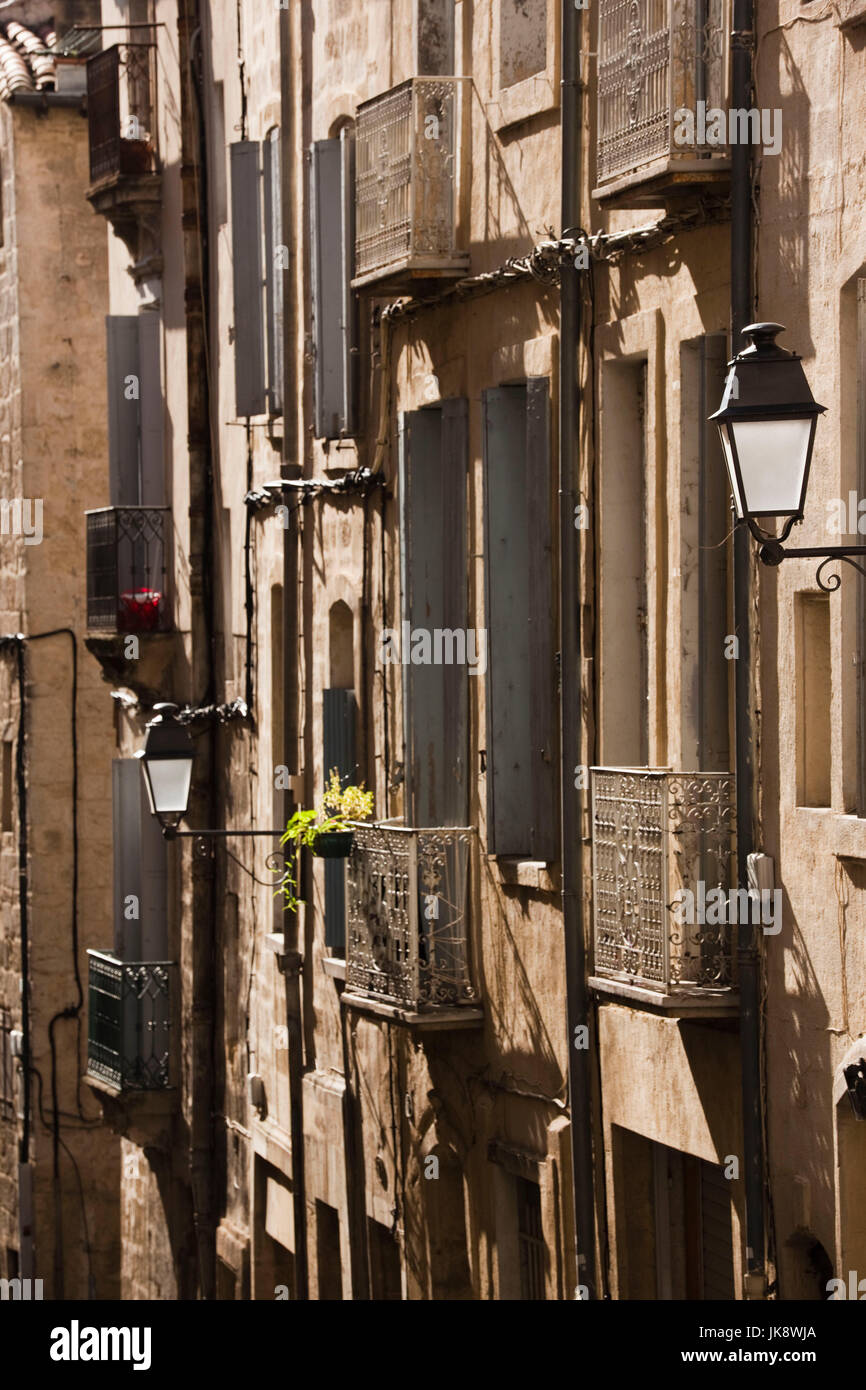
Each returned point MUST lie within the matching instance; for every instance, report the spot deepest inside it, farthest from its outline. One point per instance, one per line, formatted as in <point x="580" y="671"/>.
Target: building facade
<point x="416" y="314"/>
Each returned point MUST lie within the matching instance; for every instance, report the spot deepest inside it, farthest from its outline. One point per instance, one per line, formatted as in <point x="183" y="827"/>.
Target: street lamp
<point x="166" y="764"/>
<point x="767" y="423"/>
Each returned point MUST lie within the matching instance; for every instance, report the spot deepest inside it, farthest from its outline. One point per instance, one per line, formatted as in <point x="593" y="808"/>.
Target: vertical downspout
<point x="570" y="703"/>
<point x="293" y="958"/>
<point x="742" y="299"/>
<point x="202" y="627"/>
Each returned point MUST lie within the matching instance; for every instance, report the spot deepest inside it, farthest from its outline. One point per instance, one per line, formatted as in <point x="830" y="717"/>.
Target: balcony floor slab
<point x="433" y="1021"/>
<point x="688" y="1003"/>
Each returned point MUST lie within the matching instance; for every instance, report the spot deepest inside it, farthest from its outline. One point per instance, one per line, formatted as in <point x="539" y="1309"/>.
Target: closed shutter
<point x="140" y="868"/>
<point x="123" y="371"/>
<point x="247" y="279"/>
<point x="717" y="1248"/>
<point x="334" y="306"/>
<point x="521" y="761"/>
<point x="338" y="748"/>
<point x="433" y="464"/>
<point x="150" y="409"/>
<point x="274" y="270"/>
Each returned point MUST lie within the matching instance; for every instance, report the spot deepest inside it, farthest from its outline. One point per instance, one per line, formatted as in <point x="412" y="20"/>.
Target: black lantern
<point x="166" y="762"/>
<point x="767" y="425"/>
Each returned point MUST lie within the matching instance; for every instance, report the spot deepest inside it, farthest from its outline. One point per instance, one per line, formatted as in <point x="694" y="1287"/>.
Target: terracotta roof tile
<point x="25" y="66"/>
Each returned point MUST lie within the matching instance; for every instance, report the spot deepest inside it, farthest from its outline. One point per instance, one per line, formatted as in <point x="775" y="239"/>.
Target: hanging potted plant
<point x="327" y="830"/>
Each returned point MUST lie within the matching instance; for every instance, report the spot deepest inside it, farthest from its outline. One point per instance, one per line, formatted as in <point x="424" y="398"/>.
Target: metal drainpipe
<point x="742" y="295"/>
<point x="293" y="958"/>
<point x="570" y="543"/>
<point x="204" y="898"/>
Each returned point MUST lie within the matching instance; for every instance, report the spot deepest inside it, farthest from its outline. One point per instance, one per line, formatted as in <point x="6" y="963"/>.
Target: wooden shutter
<point x="717" y="1245"/>
<point x="542" y="829"/>
<point x="334" y="307"/>
<point x="247" y="280"/>
<point x="140" y="867"/>
<point x="507" y="607"/>
<point x="122" y="346"/>
<point x="349" y="323"/>
<point x="433" y="454"/>
<point x="151" y="409"/>
<point x="338" y="747"/>
<point x="274" y="271"/>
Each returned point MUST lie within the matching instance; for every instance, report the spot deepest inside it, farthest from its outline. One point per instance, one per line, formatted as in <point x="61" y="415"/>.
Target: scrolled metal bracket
<point x="772" y="552"/>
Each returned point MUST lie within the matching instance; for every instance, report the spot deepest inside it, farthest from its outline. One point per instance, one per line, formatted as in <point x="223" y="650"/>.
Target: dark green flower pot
<point x="334" y="844"/>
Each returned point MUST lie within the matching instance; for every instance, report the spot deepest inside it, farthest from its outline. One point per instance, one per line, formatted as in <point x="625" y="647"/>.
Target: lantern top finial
<point x="762" y="341"/>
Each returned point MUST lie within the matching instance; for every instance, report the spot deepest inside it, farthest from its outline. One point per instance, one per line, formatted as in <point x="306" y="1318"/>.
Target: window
<point x="140" y="869"/>
<point x="7" y="1068"/>
<point x="6" y="791"/>
<point x="338" y="751"/>
<point x="704" y="524"/>
<point x="435" y="34"/>
<point x="814" y="698"/>
<point x="135" y="413"/>
<point x="384" y="1257"/>
<point x="522" y="40"/>
<point x="530" y="1241"/>
<point x="624" y="648"/>
<point x="433" y="466"/>
<point x="328" y="1265"/>
<point x="275" y="268"/>
<point x="334" y="306"/>
<point x="521" y="755"/>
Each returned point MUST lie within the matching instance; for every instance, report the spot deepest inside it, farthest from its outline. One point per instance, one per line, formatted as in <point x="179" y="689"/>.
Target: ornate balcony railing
<point x="409" y="170"/>
<point x="407" y="919"/>
<point x="127" y="569"/>
<point x="662" y="857"/>
<point x="657" y="58"/>
<point x="129" y="1022"/>
<point x="121" y="107"/>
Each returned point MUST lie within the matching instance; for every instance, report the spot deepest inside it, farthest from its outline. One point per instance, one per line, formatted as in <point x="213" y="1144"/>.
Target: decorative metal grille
<point x="407" y="939"/>
<point x="656" y="57"/>
<point x="129" y="1022"/>
<point x="121" y="88"/>
<point x="408" y="162"/>
<point x="655" y="836"/>
<point x="126" y="569"/>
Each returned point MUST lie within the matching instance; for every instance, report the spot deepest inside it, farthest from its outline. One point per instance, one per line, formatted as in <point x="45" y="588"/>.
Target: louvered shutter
<point x="151" y="410"/>
<point x="338" y="750"/>
<point x="334" y="305"/>
<point x="433" y="463"/>
<point x="274" y="270"/>
<point x="542" y="692"/>
<point x="124" y="384"/>
<point x="247" y="278"/>
<point x="507" y="606"/>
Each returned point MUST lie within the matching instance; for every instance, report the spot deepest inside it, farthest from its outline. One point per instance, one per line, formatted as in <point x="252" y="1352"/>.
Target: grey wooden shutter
<point x="507" y="606"/>
<point x="542" y="830"/>
<point x="333" y="307"/>
<point x="433" y="454"/>
<point x="274" y="270"/>
<point x="247" y="257"/>
<point x="349" y="322"/>
<point x="717" y="1245"/>
<point x="150" y="409"/>
<point x="140" y="867"/>
<point x="122" y="348"/>
<point x="338" y="749"/>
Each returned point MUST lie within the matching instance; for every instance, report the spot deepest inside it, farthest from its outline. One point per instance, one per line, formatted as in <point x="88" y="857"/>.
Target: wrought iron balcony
<point x="657" y="58"/>
<point x="127" y="569"/>
<point x="129" y="1023"/>
<point x="121" y="112"/>
<point x="407" y="946"/>
<point x="409" y="177"/>
<point x="662" y="865"/>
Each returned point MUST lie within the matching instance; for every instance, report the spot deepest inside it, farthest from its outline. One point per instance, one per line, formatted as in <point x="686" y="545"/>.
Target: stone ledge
<point x="694" y="1003"/>
<point x="433" y="1021"/>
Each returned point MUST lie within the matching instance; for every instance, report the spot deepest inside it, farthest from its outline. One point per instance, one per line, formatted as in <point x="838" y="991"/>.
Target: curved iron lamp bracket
<point x="773" y="552"/>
